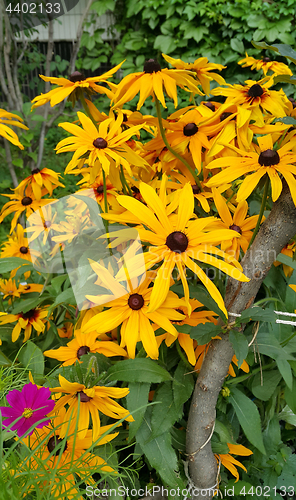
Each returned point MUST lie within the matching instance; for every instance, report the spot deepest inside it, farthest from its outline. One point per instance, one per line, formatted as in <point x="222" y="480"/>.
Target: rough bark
<point x="274" y="234"/>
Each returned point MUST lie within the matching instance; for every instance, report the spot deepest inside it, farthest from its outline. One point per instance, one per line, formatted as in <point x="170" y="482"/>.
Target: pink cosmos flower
<point x="31" y="404"/>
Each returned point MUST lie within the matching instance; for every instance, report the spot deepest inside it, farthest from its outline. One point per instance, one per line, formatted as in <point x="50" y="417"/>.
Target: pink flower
<point x="31" y="404"/>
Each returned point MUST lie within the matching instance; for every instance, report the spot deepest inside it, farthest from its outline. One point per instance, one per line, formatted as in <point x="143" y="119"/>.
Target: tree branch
<point x="274" y="234"/>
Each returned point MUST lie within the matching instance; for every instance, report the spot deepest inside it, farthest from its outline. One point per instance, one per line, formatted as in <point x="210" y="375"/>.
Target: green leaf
<point x="287" y="415"/>
<point x="7" y="264"/>
<point x="66" y="296"/>
<point x="286" y="371"/>
<point x="288" y="120"/>
<point x="280" y="48"/>
<point x="183" y="385"/>
<point x="37" y="118"/>
<point x="160" y="453"/>
<point x="200" y="293"/>
<point x="138" y="370"/>
<point x="237" y="45"/>
<point x="248" y="417"/>
<point x="285" y="259"/>
<point x="57" y="282"/>
<point x="164" y="43"/>
<point x="178" y="438"/>
<point x="290" y="396"/>
<point x="223" y="432"/>
<point x="257" y="314"/>
<point x="137" y="399"/>
<point x="27" y="304"/>
<point x="269" y="345"/>
<point x="204" y="333"/>
<point x="18" y="162"/>
<point x="32" y="358"/>
<point x="166" y="413"/>
<point x="4" y="361"/>
<point x="270" y="382"/>
<point x="239" y="344"/>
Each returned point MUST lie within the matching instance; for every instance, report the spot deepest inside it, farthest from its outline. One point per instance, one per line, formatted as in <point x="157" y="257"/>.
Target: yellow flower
<point x="39" y="178"/>
<point x="266" y="161"/>
<point x="91" y="401"/>
<point x="9" y="289"/>
<point x="83" y="343"/>
<point x="34" y="318"/>
<point x="17" y="246"/>
<point x="7" y="118"/>
<point x="131" y="310"/>
<point x="288" y="250"/>
<point x="266" y="64"/>
<point x="176" y="241"/>
<point x="106" y="144"/>
<point x="203" y="70"/>
<point x="151" y="81"/>
<point x="230" y="462"/>
<point x="76" y="82"/>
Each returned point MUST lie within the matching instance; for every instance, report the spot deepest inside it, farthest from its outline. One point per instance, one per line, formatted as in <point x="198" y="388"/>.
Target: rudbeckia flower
<point x="8" y="288"/>
<point x="7" y="118"/>
<point x="151" y="81"/>
<point x="39" y="178"/>
<point x="256" y="96"/>
<point x="203" y="70"/>
<point x="17" y="246"/>
<point x="76" y="81"/>
<point x="92" y="401"/>
<point x="230" y="462"/>
<point x="288" y="250"/>
<point x="31" y="404"/>
<point x="67" y="455"/>
<point x="34" y="318"/>
<point x="178" y="241"/>
<point x="83" y="343"/>
<point x="106" y="144"/>
<point x="131" y="310"/>
<point x="266" y="64"/>
<point x="267" y="161"/>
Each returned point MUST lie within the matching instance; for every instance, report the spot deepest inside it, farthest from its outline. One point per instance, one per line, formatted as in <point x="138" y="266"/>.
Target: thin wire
<point x="280" y="313"/>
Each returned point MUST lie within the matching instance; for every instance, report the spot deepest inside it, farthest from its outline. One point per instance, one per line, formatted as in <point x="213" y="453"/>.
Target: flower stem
<point x="162" y="133"/>
<point x="124" y="181"/>
<point x="105" y="191"/>
<point x="263" y="203"/>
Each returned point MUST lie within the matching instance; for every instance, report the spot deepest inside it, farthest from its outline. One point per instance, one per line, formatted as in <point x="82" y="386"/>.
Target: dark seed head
<point x="125" y="118"/>
<point x="27" y="201"/>
<point x="190" y="129"/>
<point x="225" y="115"/>
<point x="100" y="143"/>
<point x="76" y="77"/>
<point x="256" y="90"/>
<point x="53" y="442"/>
<point x="100" y="189"/>
<point x="47" y="223"/>
<point x="236" y="228"/>
<point x="177" y="242"/>
<point x="84" y="349"/>
<point x="135" y="189"/>
<point x="24" y="249"/>
<point x="268" y="158"/>
<point x="292" y="101"/>
<point x="28" y="314"/>
<point x="209" y="105"/>
<point x="266" y="59"/>
<point x="35" y="171"/>
<point x="151" y="66"/>
<point x="195" y="189"/>
<point x="84" y="398"/>
<point x="136" y="301"/>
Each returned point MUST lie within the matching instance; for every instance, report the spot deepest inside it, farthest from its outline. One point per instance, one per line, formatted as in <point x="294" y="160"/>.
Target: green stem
<point x="263" y="203"/>
<point x="124" y="181"/>
<point x="162" y="133"/>
<point x="105" y="191"/>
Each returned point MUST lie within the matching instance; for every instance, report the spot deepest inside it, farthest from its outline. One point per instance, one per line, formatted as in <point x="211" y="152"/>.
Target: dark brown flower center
<point x="100" y="143"/>
<point x="26" y="201"/>
<point x="135" y="189"/>
<point x="236" y="228"/>
<point x="177" y="242"/>
<point x="47" y="223"/>
<point x="179" y="320"/>
<point x="195" y="189"/>
<point x="84" y="349"/>
<point x="256" y="90"/>
<point x="100" y="189"/>
<point x="35" y="171"/>
<point x="29" y="314"/>
<point x="190" y="129"/>
<point x="76" y="77"/>
<point x="266" y="59"/>
<point x="225" y="115"/>
<point x="209" y="105"/>
<point x="268" y="158"/>
<point x="24" y="249"/>
<point x="151" y="66"/>
<point x="84" y="398"/>
<point x="53" y="443"/>
<point x="135" y="301"/>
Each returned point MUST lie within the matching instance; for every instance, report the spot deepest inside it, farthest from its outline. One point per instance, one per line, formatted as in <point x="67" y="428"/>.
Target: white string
<point x="280" y="313"/>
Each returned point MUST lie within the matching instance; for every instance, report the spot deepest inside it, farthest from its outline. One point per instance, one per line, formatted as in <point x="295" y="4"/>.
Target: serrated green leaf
<point x="32" y="358"/>
<point x="165" y="43"/>
<point x="239" y="344"/>
<point x="166" y="413"/>
<point x="237" y="45"/>
<point x="204" y="333"/>
<point x="270" y="382"/>
<point x="160" y="453"/>
<point x="137" y="398"/>
<point x="7" y="264"/>
<point x="257" y="314"/>
<point x="138" y="370"/>
<point x="248" y="417"/>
